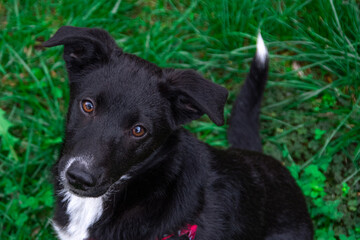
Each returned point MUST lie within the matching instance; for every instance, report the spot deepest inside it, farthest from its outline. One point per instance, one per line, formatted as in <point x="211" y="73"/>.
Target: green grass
<point x="310" y="116"/>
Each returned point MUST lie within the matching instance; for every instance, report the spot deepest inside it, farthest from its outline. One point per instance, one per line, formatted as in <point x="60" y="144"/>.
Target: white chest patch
<point x="83" y="212"/>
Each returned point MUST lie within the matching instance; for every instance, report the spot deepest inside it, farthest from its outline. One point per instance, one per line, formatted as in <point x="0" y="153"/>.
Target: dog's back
<point x="243" y="133"/>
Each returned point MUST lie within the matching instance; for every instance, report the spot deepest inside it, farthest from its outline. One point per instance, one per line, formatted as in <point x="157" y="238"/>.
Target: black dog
<point x="129" y="171"/>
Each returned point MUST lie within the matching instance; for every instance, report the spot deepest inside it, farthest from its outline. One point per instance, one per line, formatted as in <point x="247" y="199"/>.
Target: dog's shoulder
<point x="248" y="167"/>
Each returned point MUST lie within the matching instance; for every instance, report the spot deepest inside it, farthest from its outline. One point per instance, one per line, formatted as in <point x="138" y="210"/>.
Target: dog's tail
<point x="243" y="131"/>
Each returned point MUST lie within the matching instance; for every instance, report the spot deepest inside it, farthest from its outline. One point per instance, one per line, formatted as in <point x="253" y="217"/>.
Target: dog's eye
<point x="87" y="106"/>
<point x="138" y="131"/>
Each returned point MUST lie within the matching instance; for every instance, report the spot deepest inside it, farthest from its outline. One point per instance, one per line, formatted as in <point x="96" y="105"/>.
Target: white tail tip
<point x="261" y="50"/>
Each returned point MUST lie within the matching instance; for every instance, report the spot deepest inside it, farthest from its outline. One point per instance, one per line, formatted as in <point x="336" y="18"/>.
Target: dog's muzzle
<point x="79" y="177"/>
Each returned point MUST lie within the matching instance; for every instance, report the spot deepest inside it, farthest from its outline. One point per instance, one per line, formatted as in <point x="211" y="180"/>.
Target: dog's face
<point x="122" y="109"/>
<point x="117" y="117"/>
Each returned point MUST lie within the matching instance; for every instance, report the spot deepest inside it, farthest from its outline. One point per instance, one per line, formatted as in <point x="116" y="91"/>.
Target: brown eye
<point x="87" y="106"/>
<point x="138" y="131"/>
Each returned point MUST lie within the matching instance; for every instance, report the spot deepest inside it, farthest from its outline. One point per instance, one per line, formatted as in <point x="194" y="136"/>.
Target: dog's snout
<point x="79" y="178"/>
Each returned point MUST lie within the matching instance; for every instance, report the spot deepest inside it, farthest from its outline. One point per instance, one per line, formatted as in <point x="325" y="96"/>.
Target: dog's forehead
<point x="120" y="86"/>
<point x="115" y="79"/>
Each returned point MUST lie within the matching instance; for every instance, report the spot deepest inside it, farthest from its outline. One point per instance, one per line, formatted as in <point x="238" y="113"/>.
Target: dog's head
<point x="122" y="109"/>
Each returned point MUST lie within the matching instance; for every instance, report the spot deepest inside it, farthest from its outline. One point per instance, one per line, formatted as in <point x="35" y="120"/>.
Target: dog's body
<point x="129" y="171"/>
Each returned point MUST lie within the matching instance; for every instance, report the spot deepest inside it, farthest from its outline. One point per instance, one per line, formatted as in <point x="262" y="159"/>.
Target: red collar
<point x="188" y="230"/>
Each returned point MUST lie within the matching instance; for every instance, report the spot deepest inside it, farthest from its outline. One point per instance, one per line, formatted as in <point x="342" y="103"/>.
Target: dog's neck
<point x="150" y="192"/>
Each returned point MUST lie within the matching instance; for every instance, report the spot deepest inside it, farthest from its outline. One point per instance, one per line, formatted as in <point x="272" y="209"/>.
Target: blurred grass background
<point x="310" y="116"/>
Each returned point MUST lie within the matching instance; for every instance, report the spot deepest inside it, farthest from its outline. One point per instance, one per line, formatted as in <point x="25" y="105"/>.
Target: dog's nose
<point x="79" y="178"/>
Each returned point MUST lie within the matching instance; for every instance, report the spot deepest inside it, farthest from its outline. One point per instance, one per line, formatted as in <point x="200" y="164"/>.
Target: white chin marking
<point x="83" y="212"/>
<point x="261" y="51"/>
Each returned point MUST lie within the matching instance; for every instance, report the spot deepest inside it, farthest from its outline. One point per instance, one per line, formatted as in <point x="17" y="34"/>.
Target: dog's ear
<point x="191" y="96"/>
<point x="83" y="47"/>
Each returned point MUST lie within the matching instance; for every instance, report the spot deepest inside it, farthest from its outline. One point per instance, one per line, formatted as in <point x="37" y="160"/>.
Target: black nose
<point x="79" y="178"/>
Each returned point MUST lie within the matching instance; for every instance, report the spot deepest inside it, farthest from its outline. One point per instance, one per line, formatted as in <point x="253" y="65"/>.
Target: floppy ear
<point x="83" y="47"/>
<point x="191" y="96"/>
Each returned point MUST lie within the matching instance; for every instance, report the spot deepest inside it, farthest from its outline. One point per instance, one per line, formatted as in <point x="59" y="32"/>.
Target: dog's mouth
<point x="98" y="191"/>
<point x="94" y="192"/>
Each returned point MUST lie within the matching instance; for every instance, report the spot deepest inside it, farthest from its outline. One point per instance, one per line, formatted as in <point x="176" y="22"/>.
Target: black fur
<point x="244" y="122"/>
<point x="175" y="179"/>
